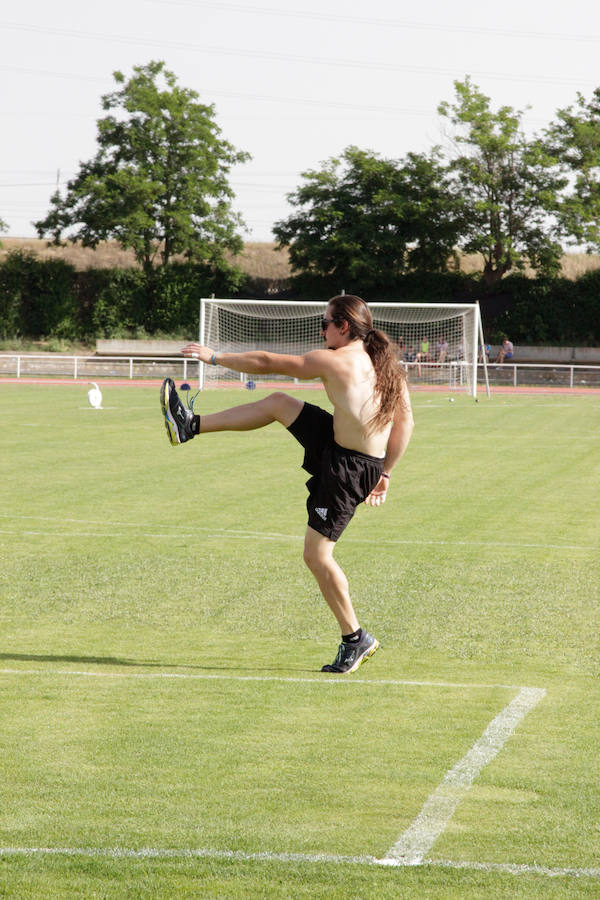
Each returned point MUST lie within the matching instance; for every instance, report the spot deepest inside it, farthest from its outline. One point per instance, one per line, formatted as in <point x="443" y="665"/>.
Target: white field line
<point x="208" y="676"/>
<point x="519" y="868"/>
<point x="418" y="839"/>
<point x="264" y="856"/>
<point x="262" y="536"/>
<point x="218" y="533"/>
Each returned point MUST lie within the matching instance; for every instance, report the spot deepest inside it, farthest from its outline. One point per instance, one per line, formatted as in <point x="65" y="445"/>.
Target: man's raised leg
<point x="182" y="425"/>
<point x="277" y="407"/>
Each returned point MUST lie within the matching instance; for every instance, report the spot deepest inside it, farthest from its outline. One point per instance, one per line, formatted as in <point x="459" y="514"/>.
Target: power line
<point x="29" y="184"/>
<point x="237" y="95"/>
<point x="26" y="70"/>
<point x="292" y="57"/>
<point x="384" y="23"/>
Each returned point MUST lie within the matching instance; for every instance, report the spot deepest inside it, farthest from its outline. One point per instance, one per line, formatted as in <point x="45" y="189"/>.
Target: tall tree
<point x="507" y="185"/>
<point x="363" y="220"/>
<point x="575" y="139"/>
<point x="158" y="183"/>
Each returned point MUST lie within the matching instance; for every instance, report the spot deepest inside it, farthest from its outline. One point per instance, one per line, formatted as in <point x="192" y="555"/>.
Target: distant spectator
<point x="506" y="351"/>
<point x="441" y="350"/>
<point x="423" y="354"/>
<point x="484" y="353"/>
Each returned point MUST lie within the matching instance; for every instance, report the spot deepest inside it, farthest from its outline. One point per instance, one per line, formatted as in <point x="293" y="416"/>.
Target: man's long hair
<point x="389" y="374"/>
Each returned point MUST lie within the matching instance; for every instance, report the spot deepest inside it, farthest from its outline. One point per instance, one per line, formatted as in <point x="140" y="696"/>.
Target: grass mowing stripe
<point x="439" y="808"/>
<point x="265" y="856"/>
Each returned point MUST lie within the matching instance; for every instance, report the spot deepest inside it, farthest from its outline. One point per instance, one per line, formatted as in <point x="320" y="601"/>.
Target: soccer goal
<point x="437" y="343"/>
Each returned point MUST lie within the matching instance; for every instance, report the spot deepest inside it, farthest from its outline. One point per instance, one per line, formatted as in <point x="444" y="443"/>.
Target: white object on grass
<point x="95" y="396"/>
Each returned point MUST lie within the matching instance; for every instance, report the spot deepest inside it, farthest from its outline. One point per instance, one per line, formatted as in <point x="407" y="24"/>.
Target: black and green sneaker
<point x="352" y="655"/>
<point x="179" y="421"/>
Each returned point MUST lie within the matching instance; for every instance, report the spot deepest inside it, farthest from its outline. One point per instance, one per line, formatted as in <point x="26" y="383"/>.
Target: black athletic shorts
<point x="341" y="478"/>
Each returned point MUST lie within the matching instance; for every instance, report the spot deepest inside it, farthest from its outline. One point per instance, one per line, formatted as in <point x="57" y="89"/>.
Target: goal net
<point x="436" y="343"/>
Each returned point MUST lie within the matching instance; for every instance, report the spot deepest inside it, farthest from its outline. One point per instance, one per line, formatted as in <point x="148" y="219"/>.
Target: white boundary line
<point x="217" y="533"/>
<point x="325" y="858"/>
<point x="413" y="844"/>
<point x="262" y="536"/>
<point x="208" y="676"/>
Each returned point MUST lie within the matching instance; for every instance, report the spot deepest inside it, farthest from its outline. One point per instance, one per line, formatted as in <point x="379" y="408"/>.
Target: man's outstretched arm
<point x="261" y="362"/>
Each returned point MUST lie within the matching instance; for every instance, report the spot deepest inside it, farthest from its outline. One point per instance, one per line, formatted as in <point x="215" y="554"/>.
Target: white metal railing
<point x="497" y="372"/>
<point x="83" y="366"/>
<point x="73" y="366"/>
<point x="455" y="374"/>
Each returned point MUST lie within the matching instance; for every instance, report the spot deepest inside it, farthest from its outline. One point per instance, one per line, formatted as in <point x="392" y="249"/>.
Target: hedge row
<point x="50" y="298"/>
<point x="556" y="311"/>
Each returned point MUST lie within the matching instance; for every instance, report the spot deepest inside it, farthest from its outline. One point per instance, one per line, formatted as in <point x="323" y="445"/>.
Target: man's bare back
<point x="349" y="381"/>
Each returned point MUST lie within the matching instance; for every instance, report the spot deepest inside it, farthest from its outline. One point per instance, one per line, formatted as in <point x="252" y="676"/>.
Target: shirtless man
<point x="349" y="455"/>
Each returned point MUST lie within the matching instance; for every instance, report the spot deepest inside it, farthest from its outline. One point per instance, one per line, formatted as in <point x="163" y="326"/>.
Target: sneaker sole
<point x="172" y="430"/>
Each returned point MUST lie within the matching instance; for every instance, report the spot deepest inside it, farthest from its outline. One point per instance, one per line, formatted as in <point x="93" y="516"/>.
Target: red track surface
<point x="277" y="385"/>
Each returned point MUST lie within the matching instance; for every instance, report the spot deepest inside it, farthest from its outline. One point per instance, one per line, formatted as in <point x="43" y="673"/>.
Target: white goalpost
<point x="437" y="343"/>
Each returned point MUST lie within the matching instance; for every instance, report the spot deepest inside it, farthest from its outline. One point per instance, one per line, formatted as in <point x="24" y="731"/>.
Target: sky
<point x="293" y="82"/>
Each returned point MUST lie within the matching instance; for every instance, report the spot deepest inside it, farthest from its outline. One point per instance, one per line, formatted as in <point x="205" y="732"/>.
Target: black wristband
<point x="385" y="475"/>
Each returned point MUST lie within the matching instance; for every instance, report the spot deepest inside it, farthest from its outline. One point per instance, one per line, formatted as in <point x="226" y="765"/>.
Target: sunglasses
<point x="325" y="323"/>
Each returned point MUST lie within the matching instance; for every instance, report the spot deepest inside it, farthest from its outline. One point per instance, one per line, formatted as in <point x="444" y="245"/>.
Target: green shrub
<point x="37" y="297"/>
<point x="554" y="311"/>
<point x="49" y="298"/>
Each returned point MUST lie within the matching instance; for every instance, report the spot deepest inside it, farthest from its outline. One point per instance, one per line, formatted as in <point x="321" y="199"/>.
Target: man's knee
<point x="317" y="556"/>
<point x="311" y="558"/>
<point x="283" y="407"/>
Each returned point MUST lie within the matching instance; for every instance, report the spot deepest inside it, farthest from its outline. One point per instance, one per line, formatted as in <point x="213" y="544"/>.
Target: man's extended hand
<point x="377" y="495"/>
<point x="197" y="351"/>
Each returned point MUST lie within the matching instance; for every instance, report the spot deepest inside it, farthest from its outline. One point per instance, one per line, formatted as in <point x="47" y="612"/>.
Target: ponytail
<point x="389" y="376"/>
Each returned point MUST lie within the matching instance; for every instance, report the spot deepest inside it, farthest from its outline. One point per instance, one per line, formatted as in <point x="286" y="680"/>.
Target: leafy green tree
<point x="363" y="221"/>
<point x="508" y="187"/>
<point x="575" y="139"/>
<point x="3" y="228"/>
<point x="158" y="183"/>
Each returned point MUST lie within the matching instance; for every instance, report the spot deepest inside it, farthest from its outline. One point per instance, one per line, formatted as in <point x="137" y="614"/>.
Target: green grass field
<point x="165" y="730"/>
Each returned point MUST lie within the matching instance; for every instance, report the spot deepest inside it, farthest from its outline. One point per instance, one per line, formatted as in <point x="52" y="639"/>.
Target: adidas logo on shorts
<point x="321" y="511"/>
